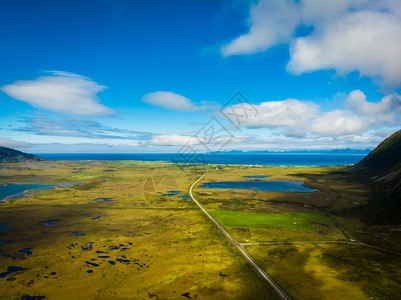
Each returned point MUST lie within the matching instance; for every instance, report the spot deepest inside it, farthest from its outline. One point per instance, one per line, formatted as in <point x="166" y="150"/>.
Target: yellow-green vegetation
<point x="130" y="230"/>
<point x="319" y="258"/>
<point x="116" y="236"/>
<point x="327" y="271"/>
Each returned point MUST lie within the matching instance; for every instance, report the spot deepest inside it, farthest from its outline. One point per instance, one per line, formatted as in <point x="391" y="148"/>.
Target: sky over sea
<point x="130" y="76"/>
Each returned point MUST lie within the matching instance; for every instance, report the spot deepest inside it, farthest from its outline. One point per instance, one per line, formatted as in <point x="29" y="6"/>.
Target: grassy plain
<point x="317" y="259"/>
<point x="327" y="271"/>
<point x="130" y="231"/>
<point x="133" y="242"/>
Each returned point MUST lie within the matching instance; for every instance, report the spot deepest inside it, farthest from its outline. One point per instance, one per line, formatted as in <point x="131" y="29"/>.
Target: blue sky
<point x="148" y="76"/>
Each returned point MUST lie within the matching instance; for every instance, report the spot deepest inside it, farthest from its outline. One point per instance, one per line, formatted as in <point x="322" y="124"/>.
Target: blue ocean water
<point x="287" y="159"/>
<point x="271" y="186"/>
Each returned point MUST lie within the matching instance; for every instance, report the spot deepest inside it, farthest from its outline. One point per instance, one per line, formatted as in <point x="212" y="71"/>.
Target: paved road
<point x="279" y="291"/>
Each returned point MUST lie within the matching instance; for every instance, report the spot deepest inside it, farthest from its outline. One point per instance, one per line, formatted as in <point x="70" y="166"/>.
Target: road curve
<point x="262" y="273"/>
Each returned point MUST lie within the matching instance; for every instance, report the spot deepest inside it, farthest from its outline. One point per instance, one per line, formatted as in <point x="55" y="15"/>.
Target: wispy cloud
<point x="173" y="101"/>
<point x="346" y="35"/>
<point x="12" y="143"/>
<point x="60" y="92"/>
<point x="77" y="147"/>
<point x="174" y="140"/>
<point x="80" y="128"/>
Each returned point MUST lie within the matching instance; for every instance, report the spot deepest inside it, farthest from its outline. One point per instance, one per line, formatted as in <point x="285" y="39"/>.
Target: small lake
<point x="15" y="190"/>
<point x="270" y="186"/>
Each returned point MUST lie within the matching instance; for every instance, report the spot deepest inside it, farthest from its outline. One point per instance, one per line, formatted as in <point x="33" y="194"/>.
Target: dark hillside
<point x="8" y="155"/>
<point x="384" y="159"/>
<point x="381" y="171"/>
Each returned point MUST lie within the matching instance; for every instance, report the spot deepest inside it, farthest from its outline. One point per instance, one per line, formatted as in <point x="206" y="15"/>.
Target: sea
<point x="277" y="159"/>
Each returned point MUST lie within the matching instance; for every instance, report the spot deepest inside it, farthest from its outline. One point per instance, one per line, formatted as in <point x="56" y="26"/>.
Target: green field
<point x="288" y="220"/>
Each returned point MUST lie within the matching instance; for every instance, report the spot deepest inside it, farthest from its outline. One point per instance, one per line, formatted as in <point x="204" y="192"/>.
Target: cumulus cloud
<point x="298" y="118"/>
<point x="271" y="23"/>
<point x="174" y="140"/>
<point x="338" y="122"/>
<point x="318" y="11"/>
<point x="60" y="92"/>
<point x="357" y="101"/>
<point x="172" y="101"/>
<point x="359" y="115"/>
<point x="291" y="114"/>
<point x="346" y="36"/>
<point x="364" y="41"/>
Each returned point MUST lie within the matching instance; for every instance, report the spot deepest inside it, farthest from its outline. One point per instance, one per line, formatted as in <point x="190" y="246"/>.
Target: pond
<point x="257" y="176"/>
<point x="16" y="190"/>
<point x="270" y="186"/>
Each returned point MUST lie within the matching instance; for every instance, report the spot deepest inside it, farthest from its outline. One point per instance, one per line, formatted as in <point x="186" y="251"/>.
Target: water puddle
<point x="5" y="242"/>
<point x="4" y="227"/>
<point x="103" y="200"/>
<point x="12" y="269"/>
<point x="77" y="233"/>
<point x="50" y="223"/>
<point x="19" y="190"/>
<point x="26" y="251"/>
<point x="92" y="264"/>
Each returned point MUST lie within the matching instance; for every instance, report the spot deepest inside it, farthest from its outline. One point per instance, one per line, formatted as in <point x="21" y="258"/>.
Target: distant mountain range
<point x="332" y="151"/>
<point x="8" y="155"/>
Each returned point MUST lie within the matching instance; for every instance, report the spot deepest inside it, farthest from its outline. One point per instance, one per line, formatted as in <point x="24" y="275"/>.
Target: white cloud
<point x="357" y="101"/>
<point x="364" y="41"/>
<point x="359" y="115"/>
<point x="271" y="23"/>
<point x="61" y="92"/>
<point x="12" y="143"/>
<point x="78" y="127"/>
<point x="172" y="101"/>
<point x="338" y="122"/>
<point x="346" y="36"/>
<point x="298" y="118"/>
<point x="174" y="140"/>
<point x="291" y="114"/>
<point x="323" y="12"/>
